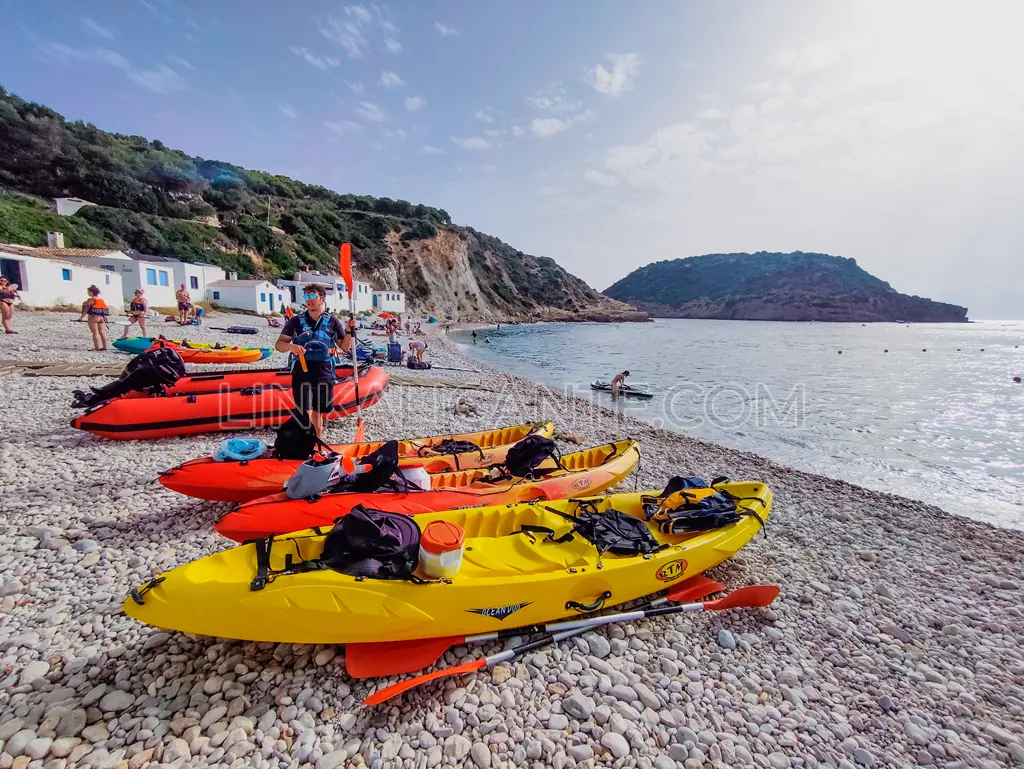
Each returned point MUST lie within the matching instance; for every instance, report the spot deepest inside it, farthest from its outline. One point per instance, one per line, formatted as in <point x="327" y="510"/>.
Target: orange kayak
<point x="243" y="481"/>
<point x="203" y="412"/>
<point x="212" y="354"/>
<point x="589" y="471"/>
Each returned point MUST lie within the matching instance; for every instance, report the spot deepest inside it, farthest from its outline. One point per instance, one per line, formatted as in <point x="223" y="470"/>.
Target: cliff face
<point x="773" y="286"/>
<point x="460" y="272"/>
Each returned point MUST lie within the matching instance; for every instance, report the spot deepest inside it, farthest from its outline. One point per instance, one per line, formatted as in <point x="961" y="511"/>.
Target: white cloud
<point x="415" y="103"/>
<point x="546" y="127"/>
<point x="552" y="190"/>
<point x="369" y="111"/>
<point x="484" y="115"/>
<point x="429" y="150"/>
<point x="355" y="87"/>
<point x="713" y="114"/>
<point x="398" y="133"/>
<point x="65" y="53"/>
<point x="181" y="62"/>
<point x="287" y="110"/>
<point x="343" y="127"/>
<point x="320" y="62"/>
<point x="492" y="132"/>
<point x="473" y="143"/>
<point x="600" y="179"/>
<point x="446" y="31"/>
<point x="163" y="79"/>
<point x="554" y="98"/>
<point x="518" y="131"/>
<point x="488" y="168"/>
<point x="819" y="55"/>
<point x="353" y="29"/>
<point x="96" y="29"/>
<point x="619" y="79"/>
<point x="391" y="80"/>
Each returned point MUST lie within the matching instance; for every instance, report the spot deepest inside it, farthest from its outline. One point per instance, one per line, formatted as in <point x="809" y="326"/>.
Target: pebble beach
<point x="897" y="640"/>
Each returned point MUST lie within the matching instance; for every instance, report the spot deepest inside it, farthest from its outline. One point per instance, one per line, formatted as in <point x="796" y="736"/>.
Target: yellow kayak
<point x="512" y="575"/>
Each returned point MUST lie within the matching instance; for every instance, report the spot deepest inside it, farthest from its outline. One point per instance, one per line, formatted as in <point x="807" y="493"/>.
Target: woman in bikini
<point x="8" y="295"/>
<point x="137" y="310"/>
<point x="97" y="311"/>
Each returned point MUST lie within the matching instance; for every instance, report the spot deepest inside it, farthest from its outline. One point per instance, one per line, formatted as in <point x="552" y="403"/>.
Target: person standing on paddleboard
<point x="313" y="338"/>
<point x="618" y="382"/>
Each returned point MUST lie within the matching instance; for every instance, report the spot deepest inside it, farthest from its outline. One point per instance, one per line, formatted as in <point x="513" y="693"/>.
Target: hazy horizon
<point x="602" y="135"/>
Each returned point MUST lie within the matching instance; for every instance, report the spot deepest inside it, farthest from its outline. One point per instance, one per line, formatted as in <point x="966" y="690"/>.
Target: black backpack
<point x="296" y="439"/>
<point x="373" y="543"/>
<point x="365" y="544"/>
<point x="523" y="459"/>
<point x="150" y="371"/>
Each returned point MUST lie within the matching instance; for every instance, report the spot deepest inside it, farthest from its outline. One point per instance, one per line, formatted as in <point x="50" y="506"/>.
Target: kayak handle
<point x="589" y="607"/>
<point x="137" y="592"/>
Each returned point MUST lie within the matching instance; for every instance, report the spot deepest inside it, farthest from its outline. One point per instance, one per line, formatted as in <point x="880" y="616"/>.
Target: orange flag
<point x="346" y="267"/>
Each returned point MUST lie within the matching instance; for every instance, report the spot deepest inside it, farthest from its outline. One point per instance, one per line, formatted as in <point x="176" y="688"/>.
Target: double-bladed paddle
<point x="754" y="596"/>
<point x="392" y="658"/>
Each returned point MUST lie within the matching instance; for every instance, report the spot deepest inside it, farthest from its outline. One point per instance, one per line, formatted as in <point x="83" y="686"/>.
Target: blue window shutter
<point x="263" y="297"/>
<point x="216" y="295"/>
<point x="66" y="274"/>
<point x="163" y="279"/>
<point x="150" y="277"/>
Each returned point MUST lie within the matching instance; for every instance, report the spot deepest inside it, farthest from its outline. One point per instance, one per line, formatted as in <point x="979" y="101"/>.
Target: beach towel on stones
<point x="150" y="371"/>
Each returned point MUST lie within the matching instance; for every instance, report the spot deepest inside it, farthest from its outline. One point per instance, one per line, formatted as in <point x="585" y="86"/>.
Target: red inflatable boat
<point x="219" y="404"/>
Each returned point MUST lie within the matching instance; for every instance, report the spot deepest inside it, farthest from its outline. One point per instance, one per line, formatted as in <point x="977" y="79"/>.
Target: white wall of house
<point x="156" y="279"/>
<point x="70" y="206"/>
<point x="263" y="298"/>
<point x="389" y="301"/>
<point x="337" y="292"/>
<point x="47" y="282"/>
<point x="196" y="277"/>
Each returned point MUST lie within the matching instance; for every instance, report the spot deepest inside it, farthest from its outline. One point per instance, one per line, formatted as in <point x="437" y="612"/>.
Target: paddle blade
<point x="394" y="690"/>
<point x="360" y="430"/>
<point x="755" y="596"/>
<point x="392" y="658"/>
<point x="694" y="589"/>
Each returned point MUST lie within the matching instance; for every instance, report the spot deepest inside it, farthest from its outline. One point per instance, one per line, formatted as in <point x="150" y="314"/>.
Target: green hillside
<point x="157" y="200"/>
<point x="773" y="286"/>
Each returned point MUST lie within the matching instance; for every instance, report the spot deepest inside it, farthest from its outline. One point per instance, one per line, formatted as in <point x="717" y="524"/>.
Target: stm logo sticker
<point x="582" y="483"/>
<point x="499" y="613"/>
<point x="671" y="571"/>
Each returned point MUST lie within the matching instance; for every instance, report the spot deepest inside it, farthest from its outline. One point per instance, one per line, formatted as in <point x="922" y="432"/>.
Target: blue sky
<point x="605" y="135"/>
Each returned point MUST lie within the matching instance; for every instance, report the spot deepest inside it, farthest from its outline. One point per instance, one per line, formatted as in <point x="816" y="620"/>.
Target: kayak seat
<point x="518" y="554"/>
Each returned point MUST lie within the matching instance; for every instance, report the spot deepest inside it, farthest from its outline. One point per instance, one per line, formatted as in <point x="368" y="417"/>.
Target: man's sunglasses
<point x="311" y="296"/>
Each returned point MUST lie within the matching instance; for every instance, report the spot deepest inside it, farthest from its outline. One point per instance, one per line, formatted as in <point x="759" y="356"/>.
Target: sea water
<point x="928" y="411"/>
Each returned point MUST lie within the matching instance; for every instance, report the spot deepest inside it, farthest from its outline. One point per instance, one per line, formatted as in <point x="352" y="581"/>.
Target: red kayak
<point x="212" y="410"/>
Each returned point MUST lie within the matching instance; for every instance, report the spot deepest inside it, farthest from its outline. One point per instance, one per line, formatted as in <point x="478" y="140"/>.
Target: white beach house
<point x="337" y="291"/>
<point x="47" y="277"/>
<point x="389" y="301"/>
<point x="259" y="296"/>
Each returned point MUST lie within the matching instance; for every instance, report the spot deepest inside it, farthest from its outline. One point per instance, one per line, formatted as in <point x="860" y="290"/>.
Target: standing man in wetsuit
<point x="317" y="336"/>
